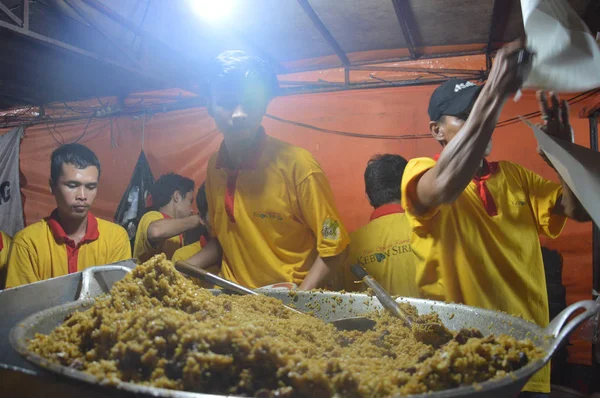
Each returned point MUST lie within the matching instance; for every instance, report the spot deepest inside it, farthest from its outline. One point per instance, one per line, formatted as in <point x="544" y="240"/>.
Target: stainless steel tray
<point x="331" y="306"/>
<point x="20" y="302"/>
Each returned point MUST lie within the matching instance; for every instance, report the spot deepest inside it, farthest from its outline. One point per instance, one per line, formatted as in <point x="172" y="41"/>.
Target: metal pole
<point x="593" y="118"/>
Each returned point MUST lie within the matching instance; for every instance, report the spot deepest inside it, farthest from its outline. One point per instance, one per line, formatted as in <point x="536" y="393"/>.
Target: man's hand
<point x="555" y="117"/>
<point x="510" y="69"/>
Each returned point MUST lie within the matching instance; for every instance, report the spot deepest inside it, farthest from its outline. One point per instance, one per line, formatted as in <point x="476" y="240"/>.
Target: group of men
<point x="454" y="227"/>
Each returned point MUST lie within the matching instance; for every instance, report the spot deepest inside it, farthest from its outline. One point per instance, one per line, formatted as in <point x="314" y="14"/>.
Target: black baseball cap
<point x="454" y="97"/>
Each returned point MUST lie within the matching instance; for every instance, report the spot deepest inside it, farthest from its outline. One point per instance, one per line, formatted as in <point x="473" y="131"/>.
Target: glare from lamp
<point x="212" y="10"/>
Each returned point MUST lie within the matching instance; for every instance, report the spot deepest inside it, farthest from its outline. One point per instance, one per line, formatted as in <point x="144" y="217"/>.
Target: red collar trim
<point x="482" y="190"/>
<point x="168" y="217"/>
<point x="390" y="208"/>
<point x="91" y="233"/>
<point x="252" y="157"/>
<point x="1" y="243"/>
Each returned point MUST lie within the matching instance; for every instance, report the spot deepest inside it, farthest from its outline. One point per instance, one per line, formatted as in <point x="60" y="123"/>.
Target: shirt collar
<point x="390" y="208"/>
<point x="252" y="157"/>
<point x="91" y="233"/>
<point x="491" y="167"/>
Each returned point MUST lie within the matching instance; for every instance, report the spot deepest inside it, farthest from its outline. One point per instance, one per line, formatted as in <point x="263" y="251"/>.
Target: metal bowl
<point x="331" y="306"/>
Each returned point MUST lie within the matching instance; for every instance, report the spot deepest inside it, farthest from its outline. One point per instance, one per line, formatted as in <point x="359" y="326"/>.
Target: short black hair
<point x="201" y="202"/>
<point x="163" y="189"/>
<point x="383" y="177"/>
<point x="232" y="69"/>
<point x="78" y="155"/>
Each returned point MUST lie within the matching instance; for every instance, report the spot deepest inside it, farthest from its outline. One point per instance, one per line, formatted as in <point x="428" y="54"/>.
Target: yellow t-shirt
<point x="382" y="248"/>
<point x="274" y="215"/>
<point x="42" y="250"/>
<point x="188" y="251"/>
<point x="143" y="249"/>
<point x="495" y="262"/>
<point x="5" y="241"/>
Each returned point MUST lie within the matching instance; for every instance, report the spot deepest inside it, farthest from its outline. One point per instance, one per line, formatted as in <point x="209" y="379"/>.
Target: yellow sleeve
<point x="21" y="262"/>
<point x="142" y="245"/>
<point x="184" y="253"/>
<point x="319" y="212"/>
<point x="408" y="187"/>
<point x="543" y="195"/>
<point x="121" y="248"/>
<point x="428" y="274"/>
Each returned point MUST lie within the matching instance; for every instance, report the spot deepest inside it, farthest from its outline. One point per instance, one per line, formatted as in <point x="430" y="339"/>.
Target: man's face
<point x="238" y="112"/>
<point x="183" y="204"/>
<point x="449" y="126"/>
<point x="75" y="190"/>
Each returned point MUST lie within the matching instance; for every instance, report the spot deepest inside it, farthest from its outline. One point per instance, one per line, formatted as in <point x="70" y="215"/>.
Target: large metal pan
<point x="331" y="306"/>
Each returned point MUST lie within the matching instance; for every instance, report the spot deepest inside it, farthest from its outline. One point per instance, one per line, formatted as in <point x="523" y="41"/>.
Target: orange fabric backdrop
<point x="182" y="141"/>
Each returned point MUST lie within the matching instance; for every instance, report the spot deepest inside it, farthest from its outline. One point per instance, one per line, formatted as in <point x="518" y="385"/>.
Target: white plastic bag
<point x="567" y="58"/>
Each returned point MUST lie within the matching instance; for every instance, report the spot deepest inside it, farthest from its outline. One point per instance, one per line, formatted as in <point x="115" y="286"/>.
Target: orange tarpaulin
<point x="182" y="141"/>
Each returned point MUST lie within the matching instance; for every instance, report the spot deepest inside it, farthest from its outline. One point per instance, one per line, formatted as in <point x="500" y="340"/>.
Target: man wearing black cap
<point x="476" y="223"/>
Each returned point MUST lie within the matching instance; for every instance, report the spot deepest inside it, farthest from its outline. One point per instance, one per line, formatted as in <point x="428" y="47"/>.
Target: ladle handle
<point x="561" y="328"/>
<point x="384" y="297"/>
<point x="190" y="270"/>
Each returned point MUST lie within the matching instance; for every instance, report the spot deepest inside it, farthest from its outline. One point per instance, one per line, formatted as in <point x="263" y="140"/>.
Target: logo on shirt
<point x="517" y="202"/>
<point x="268" y="214"/>
<point x="382" y="253"/>
<point x="331" y="229"/>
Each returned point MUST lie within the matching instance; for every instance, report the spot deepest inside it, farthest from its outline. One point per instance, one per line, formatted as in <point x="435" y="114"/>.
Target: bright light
<point x="212" y="10"/>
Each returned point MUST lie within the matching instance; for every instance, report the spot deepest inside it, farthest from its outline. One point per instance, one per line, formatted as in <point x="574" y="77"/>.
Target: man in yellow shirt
<point x="195" y="239"/>
<point x="271" y="208"/>
<point x="382" y="246"/>
<point x="71" y="238"/>
<point x="170" y="215"/>
<point x="5" y="240"/>
<point x="476" y="223"/>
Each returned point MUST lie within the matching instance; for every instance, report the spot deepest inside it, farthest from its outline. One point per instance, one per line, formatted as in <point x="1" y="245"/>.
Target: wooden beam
<point x="10" y="14"/>
<point x="418" y="70"/>
<point x="361" y="86"/>
<point x="402" y="8"/>
<point x="493" y="22"/>
<point x="308" y="10"/>
<point x="28" y="34"/>
<point x="26" y="14"/>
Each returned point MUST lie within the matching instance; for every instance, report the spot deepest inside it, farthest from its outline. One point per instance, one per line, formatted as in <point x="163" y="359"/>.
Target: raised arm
<point x="462" y="155"/>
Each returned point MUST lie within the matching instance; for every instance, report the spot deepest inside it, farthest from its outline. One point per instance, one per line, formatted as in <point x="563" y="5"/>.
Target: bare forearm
<point x="208" y="256"/>
<point x="569" y="205"/>
<point x="462" y="156"/>
<point x="167" y="228"/>
<point x="321" y="269"/>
